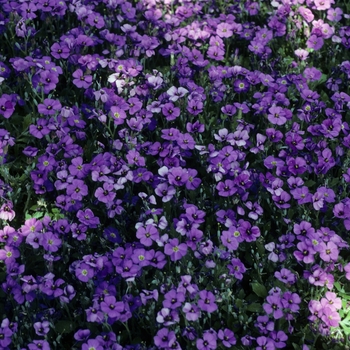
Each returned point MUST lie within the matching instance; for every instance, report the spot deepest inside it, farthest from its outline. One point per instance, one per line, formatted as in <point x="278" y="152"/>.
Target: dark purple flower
<point x="207" y="301"/>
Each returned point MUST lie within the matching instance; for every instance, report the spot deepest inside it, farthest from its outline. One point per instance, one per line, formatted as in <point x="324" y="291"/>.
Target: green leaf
<point x="64" y="326"/>
<point x="259" y="289"/>
<point x="254" y="307"/>
<point x="309" y="183"/>
<point x="27" y="120"/>
<point x="261" y="248"/>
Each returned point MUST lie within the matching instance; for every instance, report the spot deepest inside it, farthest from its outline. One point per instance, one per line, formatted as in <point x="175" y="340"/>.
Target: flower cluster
<point x="174" y="174"/>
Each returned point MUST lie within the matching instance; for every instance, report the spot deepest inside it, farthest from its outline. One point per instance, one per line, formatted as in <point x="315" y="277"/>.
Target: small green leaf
<point x="254" y="307"/>
<point x="309" y="183"/>
<point x="64" y="326"/>
<point x="259" y="289"/>
<point x="261" y="248"/>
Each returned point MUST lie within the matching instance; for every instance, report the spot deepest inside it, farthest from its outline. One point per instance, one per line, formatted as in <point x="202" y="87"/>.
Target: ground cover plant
<point x="174" y="174"/>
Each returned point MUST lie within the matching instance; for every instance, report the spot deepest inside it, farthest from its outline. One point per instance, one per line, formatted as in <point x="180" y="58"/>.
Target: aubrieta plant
<point x="174" y="174"/>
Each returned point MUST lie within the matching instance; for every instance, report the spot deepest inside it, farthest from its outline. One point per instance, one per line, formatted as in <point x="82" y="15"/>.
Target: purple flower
<point x="207" y="301"/>
<point x="170" y="112"/>
<point x="264" y="324"/>
<point x="274" y="136"/>
<point x="177" y="176"/>
<point x="51" y="242"/>
<point x="48" y="79"/>
<point x="7" y="107"/>
<point x="6" y="211"/>
<point x="330" y="317"/>
<point x="77" y="189"/>
<point x="226" y="188"/>
<point x="227" y="337"/>
<point x="5" y="335"/>
<point x="165" y="191"/>
<point x="279" y="338"/>
<point x="265" y="343"/>
<point x="167" y="317"/>
<point x="334" y="15"/>
<point x="282" y="199"/>
<point x="94" y="313"/>
<point x="175" y="250"/>
<point x="164" y="338"/>
<point x="277" y="115"/>
<point x="176" y="93"/>
<point x="39" y="345"/>
<point x="84" y="272"/>
<point x="92" y="344"/>
<point x="302" y="195"/>
<point x="147" y="235"/>
<point x="331" y="300"/>
<point x="237" y="268"/>
<point x="8" y="254"/>
<point x="305" y="253"/>
<point x="42" y="328"/>
<point x="49" y="106"/>
<point x="274" y="306"/>
<point x="231" y="238"/>
<point x="81" y="80"/>
<point x="111" y="307"/>
<point x="315" y="42"/>
<point x="105" y="194"/>
<point x="208" y="342"/>
<point x="88" y="218"/>
<point x="173" y="299"/>
<point x="296" y="165"/>
<point x="285" y="276"/>
<point x="328" y="251"/>
<point x="192" y="312"/>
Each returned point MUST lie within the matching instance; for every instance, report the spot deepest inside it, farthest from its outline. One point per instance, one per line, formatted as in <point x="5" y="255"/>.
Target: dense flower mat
<point x="174" y="174"/>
